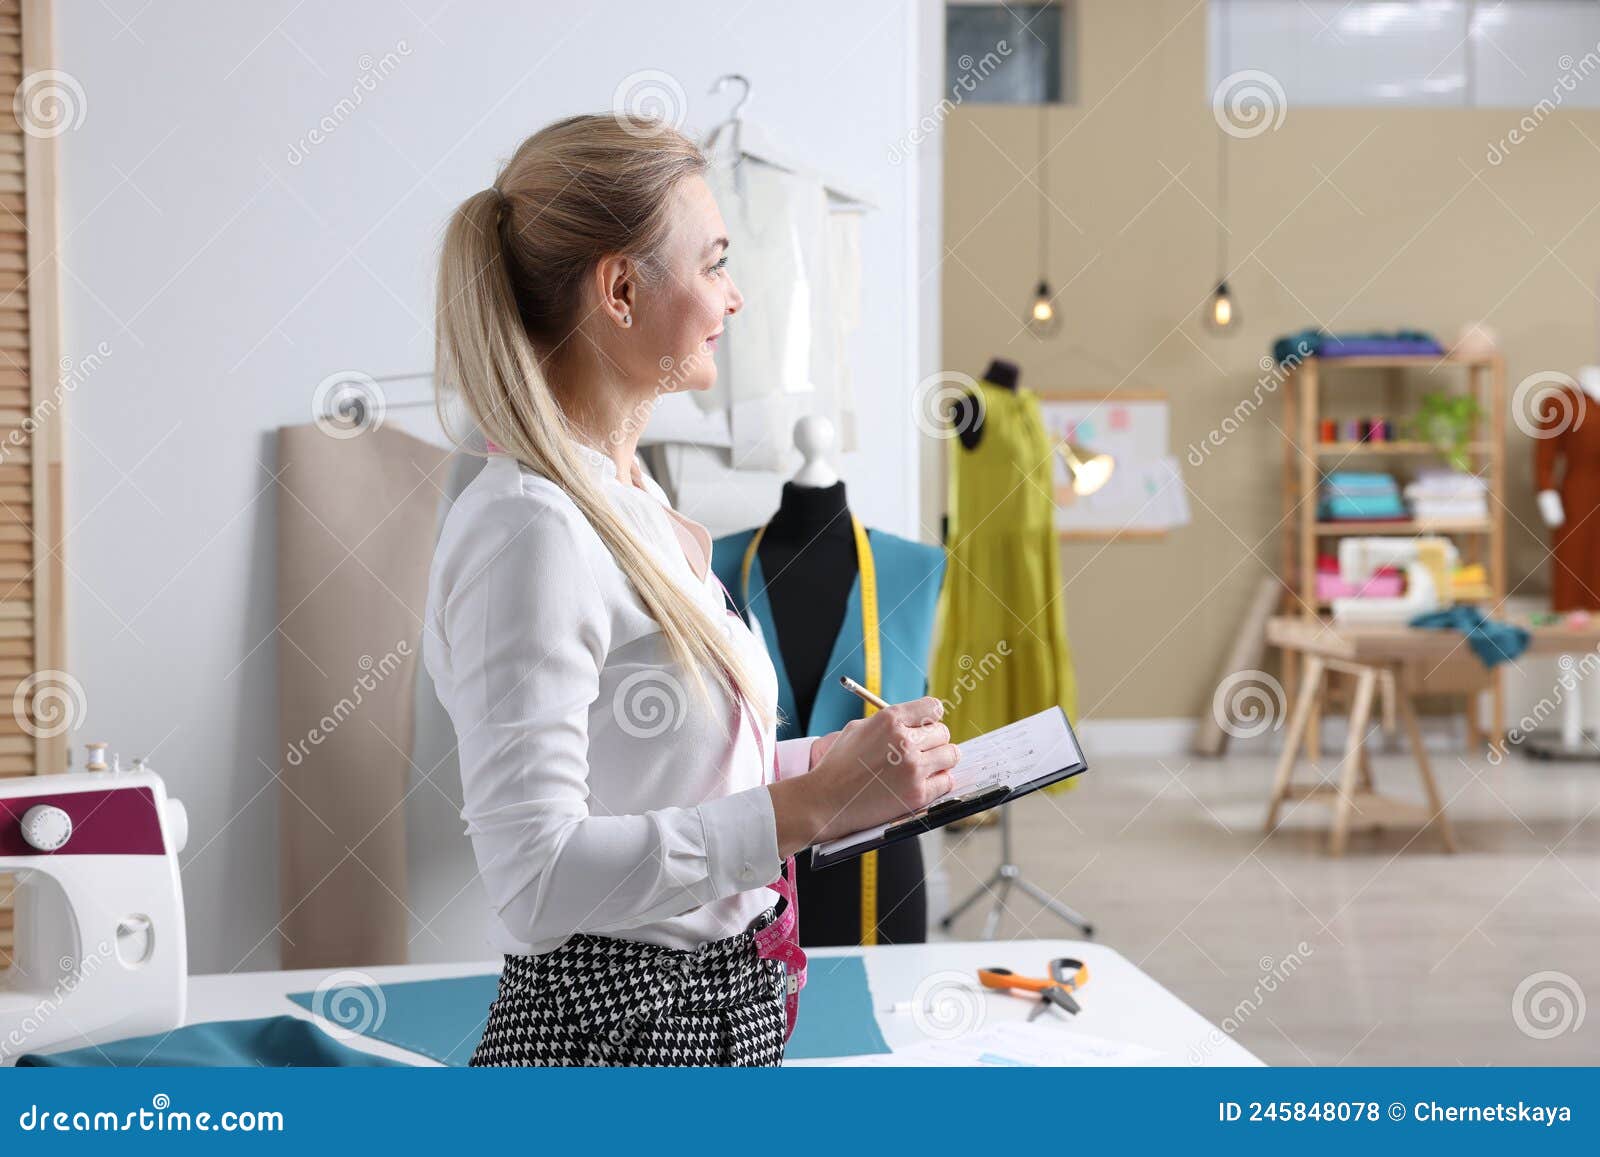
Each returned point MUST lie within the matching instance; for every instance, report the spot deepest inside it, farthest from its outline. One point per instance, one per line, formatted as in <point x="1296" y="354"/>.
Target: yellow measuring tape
<point x="874" y="683"/>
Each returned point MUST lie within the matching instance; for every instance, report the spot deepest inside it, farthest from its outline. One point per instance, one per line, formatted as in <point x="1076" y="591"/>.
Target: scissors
<point x="1067" y="975"/>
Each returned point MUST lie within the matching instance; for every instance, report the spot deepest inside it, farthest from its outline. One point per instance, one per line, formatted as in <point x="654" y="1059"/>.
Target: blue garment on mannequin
<point x="909" y="575"/>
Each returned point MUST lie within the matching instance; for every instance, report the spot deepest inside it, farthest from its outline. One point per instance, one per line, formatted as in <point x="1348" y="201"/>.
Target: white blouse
<point x="601" y="794"/>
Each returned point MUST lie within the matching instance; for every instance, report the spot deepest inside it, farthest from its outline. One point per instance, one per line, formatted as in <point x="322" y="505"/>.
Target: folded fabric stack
<point x="1357" y="497"/>
<point x="1448" y="496"/>
<point x="1320" y="343"/>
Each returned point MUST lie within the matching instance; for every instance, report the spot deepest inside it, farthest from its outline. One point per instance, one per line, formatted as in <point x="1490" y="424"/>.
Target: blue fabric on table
<point x="442" y="1019"/>
<point x="1491" y="641"/>
<point x="1320" y="343"/>
<point x="836" y="1014"/>
<point x="273" y="1041"/>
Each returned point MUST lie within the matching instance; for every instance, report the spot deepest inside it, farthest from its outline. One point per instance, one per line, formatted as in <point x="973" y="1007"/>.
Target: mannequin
<point x="803" y="590"/>
<point x="967" y="417"/>
<point x="1573" y="441"/>
<point x="808" y="555"/>
<point x="1550" y="505"/>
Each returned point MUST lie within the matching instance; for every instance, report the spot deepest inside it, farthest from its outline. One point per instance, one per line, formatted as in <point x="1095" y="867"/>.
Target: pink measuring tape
<point x="779" y="940"/>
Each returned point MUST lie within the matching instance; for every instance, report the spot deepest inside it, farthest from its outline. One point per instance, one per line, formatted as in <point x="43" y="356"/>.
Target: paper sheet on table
<point x="1014" y="755"/>
<point x="1034" y="1044"/>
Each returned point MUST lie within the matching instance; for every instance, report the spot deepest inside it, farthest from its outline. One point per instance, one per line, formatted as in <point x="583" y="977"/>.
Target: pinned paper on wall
<point x="1145" y="495"/>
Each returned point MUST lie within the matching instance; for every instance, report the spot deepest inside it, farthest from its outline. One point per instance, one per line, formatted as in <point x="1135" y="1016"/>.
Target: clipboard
<point x="1017" y="759"/>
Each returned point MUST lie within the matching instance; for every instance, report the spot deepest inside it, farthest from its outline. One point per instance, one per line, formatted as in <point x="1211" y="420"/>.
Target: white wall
<point x="227" y="281"/>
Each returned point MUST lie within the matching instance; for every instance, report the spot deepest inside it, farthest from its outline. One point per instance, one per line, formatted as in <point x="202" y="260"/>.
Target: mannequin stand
<point x="1574" y="744"/>
<point x="999" y="884"/>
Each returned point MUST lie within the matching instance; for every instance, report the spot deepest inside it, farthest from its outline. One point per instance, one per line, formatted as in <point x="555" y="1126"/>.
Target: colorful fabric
<point x="1492" y="642"/>
<point x="1310" y="343"/>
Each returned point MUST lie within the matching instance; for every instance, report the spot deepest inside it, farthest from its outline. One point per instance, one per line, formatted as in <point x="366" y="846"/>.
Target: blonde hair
<point x="510" y="277"/>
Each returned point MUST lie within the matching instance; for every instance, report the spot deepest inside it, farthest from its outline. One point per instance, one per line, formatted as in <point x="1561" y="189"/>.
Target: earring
<point x="627" y="319"/>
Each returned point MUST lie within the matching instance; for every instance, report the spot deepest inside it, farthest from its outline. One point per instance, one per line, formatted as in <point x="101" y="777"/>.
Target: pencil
<point x="862" y="693"/>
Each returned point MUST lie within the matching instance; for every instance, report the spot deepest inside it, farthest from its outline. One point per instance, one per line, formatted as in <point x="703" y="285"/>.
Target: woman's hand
<point x="894" y="762"/>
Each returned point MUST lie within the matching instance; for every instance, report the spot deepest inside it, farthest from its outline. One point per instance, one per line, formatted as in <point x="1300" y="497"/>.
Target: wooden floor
<point x="1411" y="955"/>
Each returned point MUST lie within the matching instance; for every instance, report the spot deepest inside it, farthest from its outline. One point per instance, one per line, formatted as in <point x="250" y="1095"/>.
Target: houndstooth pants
<point x="597" y="1000"/>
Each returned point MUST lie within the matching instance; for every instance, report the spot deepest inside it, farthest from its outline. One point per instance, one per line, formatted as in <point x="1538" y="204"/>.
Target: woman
<point x="629" y="809"/>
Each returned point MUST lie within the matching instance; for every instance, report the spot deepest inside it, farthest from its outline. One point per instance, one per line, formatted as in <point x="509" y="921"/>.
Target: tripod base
<point x="999" y="885"/>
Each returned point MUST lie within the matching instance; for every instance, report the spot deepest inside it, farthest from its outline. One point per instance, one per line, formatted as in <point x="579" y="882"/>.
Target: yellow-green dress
<point x="1002" y="648"/>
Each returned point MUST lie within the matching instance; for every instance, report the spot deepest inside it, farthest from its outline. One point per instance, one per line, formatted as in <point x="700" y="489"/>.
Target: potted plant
<point x="1446" y="422"/>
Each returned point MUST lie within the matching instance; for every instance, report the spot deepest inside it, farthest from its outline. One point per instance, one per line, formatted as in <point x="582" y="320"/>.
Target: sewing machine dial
<point x="46" y="828"/>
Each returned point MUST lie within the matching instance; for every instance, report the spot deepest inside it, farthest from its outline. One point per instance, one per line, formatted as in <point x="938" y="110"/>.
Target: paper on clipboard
<point x="1013" y="757"/>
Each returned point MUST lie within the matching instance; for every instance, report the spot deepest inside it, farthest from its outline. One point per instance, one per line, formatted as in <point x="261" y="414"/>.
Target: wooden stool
<point x="1354" y="794"/>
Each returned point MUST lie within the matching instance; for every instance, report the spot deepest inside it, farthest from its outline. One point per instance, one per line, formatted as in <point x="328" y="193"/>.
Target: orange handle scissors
<point x="1067" y="975"/>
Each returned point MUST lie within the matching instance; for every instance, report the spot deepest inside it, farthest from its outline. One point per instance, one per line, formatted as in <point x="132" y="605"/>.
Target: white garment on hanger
<point x="844" y="266"/>
<point x="765" y="380"/>
<point x="796" y="260"/>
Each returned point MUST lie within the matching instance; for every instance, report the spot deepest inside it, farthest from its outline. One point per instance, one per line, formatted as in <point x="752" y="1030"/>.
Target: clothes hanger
<point x="748" y="142"/>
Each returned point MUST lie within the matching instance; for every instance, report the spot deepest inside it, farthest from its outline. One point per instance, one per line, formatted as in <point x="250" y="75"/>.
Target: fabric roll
<point x="357" y="521"/>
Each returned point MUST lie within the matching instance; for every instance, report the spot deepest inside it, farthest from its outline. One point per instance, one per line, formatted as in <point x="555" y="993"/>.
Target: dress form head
<point x="815" y="439"/>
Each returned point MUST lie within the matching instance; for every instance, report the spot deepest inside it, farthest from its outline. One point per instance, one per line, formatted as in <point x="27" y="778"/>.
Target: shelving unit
<point x="1307" y="461"/>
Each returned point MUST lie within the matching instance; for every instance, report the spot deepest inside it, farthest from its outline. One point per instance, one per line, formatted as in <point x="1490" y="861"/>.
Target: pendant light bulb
<point x="1043" y="319"/>
<point x="1222" y="313"/>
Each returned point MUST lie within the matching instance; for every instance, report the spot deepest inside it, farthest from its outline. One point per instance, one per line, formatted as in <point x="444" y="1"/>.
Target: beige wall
<point x="1352" y="218"/>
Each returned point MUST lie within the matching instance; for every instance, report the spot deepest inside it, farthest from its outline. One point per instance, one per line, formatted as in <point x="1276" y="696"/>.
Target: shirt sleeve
<point x="527" y="630"/>
<point x="794" y="756"/>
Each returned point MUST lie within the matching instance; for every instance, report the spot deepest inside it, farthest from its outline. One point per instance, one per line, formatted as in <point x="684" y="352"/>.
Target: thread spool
<point x="97" y="757"/>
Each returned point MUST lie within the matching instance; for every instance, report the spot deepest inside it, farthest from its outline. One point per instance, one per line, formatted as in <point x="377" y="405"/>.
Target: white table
<point x="1120" y="1002"/>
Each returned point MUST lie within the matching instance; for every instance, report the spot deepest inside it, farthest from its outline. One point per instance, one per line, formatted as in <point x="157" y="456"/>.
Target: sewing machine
<point x="100" y="950"/>
<point x="1429" y="562"/>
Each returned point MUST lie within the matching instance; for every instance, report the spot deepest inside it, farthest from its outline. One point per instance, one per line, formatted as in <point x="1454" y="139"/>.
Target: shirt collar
<point x="598" y="461"/>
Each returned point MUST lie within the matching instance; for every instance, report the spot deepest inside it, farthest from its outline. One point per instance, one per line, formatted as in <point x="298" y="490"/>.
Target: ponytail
<point x="486" y="352"/>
